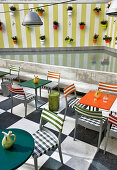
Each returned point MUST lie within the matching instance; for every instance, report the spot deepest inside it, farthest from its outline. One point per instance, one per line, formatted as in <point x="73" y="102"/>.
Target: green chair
<point x="90" y="119"/>
<point x="44" y="139"/>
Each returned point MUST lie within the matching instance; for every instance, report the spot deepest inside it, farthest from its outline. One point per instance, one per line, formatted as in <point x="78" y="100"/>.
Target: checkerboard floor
<point x="77" y="155"/>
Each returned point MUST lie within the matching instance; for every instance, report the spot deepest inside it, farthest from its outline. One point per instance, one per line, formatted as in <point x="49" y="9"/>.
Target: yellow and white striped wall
<point x="68" y="26"/>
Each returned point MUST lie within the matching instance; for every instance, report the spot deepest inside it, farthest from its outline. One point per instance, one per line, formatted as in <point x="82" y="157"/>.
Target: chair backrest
<point x="69" y="89"/>
<point x="14" y="68"/>
<point x="19" y="91"/>
<point x="52" y="118"/>
<point x="88" y="113"/>
<point x="53" y="75"/>
<point x="112" y="119"/>
<point x="107" y="87"/>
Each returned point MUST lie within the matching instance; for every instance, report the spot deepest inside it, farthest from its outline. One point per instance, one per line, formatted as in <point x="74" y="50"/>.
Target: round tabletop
<point x="20" y="151"/>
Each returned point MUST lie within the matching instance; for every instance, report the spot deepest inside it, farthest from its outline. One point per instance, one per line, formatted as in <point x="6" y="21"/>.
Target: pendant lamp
<point x="32" y="19"/>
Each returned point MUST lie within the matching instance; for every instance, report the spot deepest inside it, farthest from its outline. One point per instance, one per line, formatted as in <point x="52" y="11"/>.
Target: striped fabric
<point x="16" y="90"/>
<point x="112" y="119"/>
<point x="107" y="87"/>
<point x="28" y="96"/>
<point x="14" y="68"/>
<point x="88" y="113"/>
<point x="69" y="89"/>
<point x="43" y="143"/>
<point x="52" y="118"/>
<point x="53" y="75"/>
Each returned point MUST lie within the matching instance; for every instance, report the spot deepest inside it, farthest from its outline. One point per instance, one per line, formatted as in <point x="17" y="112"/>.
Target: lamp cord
<point x="42" y="6"/>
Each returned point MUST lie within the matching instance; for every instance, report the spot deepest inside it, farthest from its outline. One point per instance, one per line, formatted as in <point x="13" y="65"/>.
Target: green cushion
<point x="54" y="101"/>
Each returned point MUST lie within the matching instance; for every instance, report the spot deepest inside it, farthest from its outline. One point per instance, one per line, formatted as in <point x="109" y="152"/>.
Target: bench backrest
<point x="107" y="87"/>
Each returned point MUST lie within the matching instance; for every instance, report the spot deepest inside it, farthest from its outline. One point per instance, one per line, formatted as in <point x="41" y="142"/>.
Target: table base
<point x="40" y="102"/>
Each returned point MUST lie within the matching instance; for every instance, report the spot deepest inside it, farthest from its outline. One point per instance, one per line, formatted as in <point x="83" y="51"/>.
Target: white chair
<point x="55" y="77"/>
<point x="21" y="96"/>
<point x="111" y="129"/>
<point x="90" y="119"/>
<point x="44" y="139"/>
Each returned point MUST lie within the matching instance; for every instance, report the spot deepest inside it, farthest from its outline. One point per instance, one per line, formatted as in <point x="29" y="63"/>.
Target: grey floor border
<point x="59" y="49"/>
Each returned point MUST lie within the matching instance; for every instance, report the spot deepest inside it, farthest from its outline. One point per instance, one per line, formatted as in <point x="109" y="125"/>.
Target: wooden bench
<point x="106" y="87"/>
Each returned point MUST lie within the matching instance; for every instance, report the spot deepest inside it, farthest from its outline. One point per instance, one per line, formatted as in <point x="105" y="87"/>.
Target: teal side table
<point x="54" y="101"/>
<point x="19" y="153"/>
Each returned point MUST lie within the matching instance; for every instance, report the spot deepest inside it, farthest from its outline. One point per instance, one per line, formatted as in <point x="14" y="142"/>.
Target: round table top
<point x="20" y="151"/>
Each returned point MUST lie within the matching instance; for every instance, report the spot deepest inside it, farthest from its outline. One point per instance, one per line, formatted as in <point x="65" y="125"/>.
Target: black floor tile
<point x="7" y="119"/>
<point x="35" y="116"/>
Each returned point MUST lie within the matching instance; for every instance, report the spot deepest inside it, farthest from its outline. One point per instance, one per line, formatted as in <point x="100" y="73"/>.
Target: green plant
<point x="40" y="9"/>
<point x="107" y="38"/>
<point x="68" y="39"/>
<point x="115" y="38"/>
<point x="0" y="23"/>
<point x="95" y="36"/>
<point x="42" y="37"/>
<point x="14" y="37"/>
<point x="81" y="23"/>
<point x="55" y="23"/>
<point x="12" y="8"/>
<point x="97" y="9"/>
<point x="69" y="8"/>
<point x="104" y="22"/>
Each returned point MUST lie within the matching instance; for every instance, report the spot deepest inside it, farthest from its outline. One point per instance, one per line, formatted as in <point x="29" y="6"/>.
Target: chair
<point x="21" y="96"/>
<point x="111" y="129"/>
<point x="53" y="76"/>
<point x="91" y="120"/>
<point x="106" y="87"/>
<point x="44" y="139"/>
<point x="73" y="100"/>
<point x="11" y="76"/>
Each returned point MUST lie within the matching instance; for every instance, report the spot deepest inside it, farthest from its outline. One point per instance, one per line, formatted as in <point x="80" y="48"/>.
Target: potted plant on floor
<point x="104" y="24"/>
<point x="69" y="10"/>
<point x="42" y="39"/>
<point x="97" y="10"/>
<point x="12" y="9"/>
<point x="55" y="25"/>
<point x="0" y="26"/>
<point x="95" y="38"/>
<point x="14" y="39"/>
<point x="40" y="11"/>
<point x="107" y="39"/>
<point x="68" y="39"/>
<point x="82" y="24"/>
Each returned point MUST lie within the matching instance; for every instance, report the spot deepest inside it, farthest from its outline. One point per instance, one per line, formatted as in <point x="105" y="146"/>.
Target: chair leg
<point x="106" y="140"/>
<point x="11" y="104"/>
<point x="60" y="154"/>
<point x="25" y="109"/>
<point x="65" y="112"/>
<point x="76" y="122"/>
<point x="35" y="164"/>
<point x="100" y="134"/>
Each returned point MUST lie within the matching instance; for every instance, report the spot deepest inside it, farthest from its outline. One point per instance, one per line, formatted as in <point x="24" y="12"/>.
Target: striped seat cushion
<point x="113" y="128"/>
<point x="74" y="101"/>
<point x="29" y="96"/>
<point x="51" y="85"/>
<point x="95" y="122"/>
<point x="43" y="143"/>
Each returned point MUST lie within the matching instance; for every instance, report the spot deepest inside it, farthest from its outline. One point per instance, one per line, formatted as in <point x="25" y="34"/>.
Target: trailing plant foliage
<point x="12" y="8"/>
<point x="40" y="10"/>
<point x="68" y="39"/>
<point x="69" y="8"/>
<point x="104" y="22"/>
<point x="107" y="38"/>
<point x="0" y="23"/>
<point x="42" y="37"/>
<point x="95" y="36"/>
<point x="97" y="9"/>
<point x="14" y="37"/>
<point x="55" y="23"/>
<point x="81" y="23"/>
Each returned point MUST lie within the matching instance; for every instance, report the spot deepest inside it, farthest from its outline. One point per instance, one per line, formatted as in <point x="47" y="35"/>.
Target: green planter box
<point x="54" y="101"/>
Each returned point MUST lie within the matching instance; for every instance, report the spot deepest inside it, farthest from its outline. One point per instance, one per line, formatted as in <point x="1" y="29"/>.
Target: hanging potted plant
<point x="104" y="24"/>
<point x="115" y="40"/>
<point x="14" y="39"/>
<point x="40" y="11"/>
<point x="95" y="38"/>
<point x="107" y="38"/>
<point x="55" y="25"/>
<point x="42" y="39"/>
<point x="69" y="10"/>
<point x="82" y="24"/>
<point x="0" y="26"/>
<point x="13" y="9"/>
<point x="68" y="39"/>
<point x="97" y="10"/>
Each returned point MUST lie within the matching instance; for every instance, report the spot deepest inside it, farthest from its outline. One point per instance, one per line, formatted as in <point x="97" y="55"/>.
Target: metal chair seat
<point x="51" y="85"/>
<point x="43" y="143"/>
<point x="29" y="97"/>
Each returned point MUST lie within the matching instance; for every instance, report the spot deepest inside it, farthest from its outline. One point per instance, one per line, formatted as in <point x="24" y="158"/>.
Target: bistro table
<point x="20" y="151"/>
<point x="31" y="84"/>
<point x="100" y="103"/>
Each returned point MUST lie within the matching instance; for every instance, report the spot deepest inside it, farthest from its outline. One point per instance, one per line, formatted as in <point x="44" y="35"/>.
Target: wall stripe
<point x="55" y="18"/>
<point x="51" y="32"/>
<point x="74" y="22"/>
<point x="83" y="19"/>
<point x="65" y="21"/>
<point x="87" y="28"/>
<point x="60" y="20"/>
<point x="2" y="45"/>
<point x="46" y="27"/>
